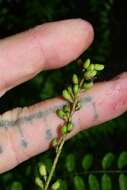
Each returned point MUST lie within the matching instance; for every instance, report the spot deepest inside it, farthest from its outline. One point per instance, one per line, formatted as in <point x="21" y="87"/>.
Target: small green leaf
<point x="7" y="177"/>
<point x="79" y="183"/>
<point x="48" y="164"/>
<point x="56" y="185"/>
<point x="87" y="161"/>
<point x="70" y="162"/>
<point x="123" y="182"/>
<point x="16" y="186"/>
<point x="122" y="160"/>
<point x="93" y="182"/>
<point x="38" y="182"/>
<point x="63" y="185"/>
<point x="107" y="161"/>
<point x="106" y="183"/>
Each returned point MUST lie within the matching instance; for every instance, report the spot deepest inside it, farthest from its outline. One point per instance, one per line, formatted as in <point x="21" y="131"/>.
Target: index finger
<point x="25" y="132"/>
<point x="47" y="46"/>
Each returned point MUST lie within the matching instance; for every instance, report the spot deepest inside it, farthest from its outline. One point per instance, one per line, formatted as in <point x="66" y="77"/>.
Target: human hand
<point x="25" y="132"/>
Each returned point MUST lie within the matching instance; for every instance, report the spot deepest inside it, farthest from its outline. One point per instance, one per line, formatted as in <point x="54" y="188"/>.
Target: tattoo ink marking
<point x="24" y="143"/>
<point x="30" y="118"/>
<point x="38" y="115"/>
<point x="1" y="150"/>
<point x="88" y="99"/>
<point x="96" y="116"/>
<point x="85" y="100"/>
<point x="48" y="134"/>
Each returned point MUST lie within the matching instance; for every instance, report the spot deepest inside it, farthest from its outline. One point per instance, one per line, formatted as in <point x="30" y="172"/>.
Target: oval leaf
<point x="16" y="186"/>
<point x="7" y="177"/>
<point x="87" y="161"/>
<point x="122" y="160"/>
<point x="70" y="162"/>
<point x="106" y="183"/>
<point x="123" y="182"/>
<point x="93" y="182"/>
<point x="48" y="164"/>
<point x="56" y="185"/>
<point x="63" y="185"/>
<point x="107" y="161"/>
<point x="79" y="183"/>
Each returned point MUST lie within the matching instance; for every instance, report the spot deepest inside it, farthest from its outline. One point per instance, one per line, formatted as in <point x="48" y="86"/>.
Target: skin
<point x="28" y="131"/>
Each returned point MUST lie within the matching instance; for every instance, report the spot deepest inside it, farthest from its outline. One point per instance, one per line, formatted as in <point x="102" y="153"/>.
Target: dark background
<point x="109" y="20"/>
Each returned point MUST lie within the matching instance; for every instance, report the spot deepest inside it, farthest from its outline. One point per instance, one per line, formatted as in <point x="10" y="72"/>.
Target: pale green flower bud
<point x="39" y="182"/>
<point x="86" y="64"/>
<point x="56" y="185"/>
<point x="90" y="74"/>
<point x="66" y="108"/>
<point x="91" y="67"/>
<point x="70" y="126"/>
<point x="67" y="95"/>
<point x="69" y="88"/>
<point x="60" y="113"/>
<point x="76" y="89"/>
<point x="55" y="142"/>
<point x="64" y="130"/>
<point x="75" y="79"/>
<point x="99" y="67"/>
<point x="87" y="85"/>
<point x="42" y="170"/>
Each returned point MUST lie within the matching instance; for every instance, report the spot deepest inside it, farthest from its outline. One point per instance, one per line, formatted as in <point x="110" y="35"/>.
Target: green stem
<point x="81" y="83"/>
<point x="59" y="150"/>
<point x="54" y="164"/>
<point x="62" y="139"/>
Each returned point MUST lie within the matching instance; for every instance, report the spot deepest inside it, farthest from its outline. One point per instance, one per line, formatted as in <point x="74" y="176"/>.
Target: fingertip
<point x="64" y="41"/>
<point x="48" y="46"/>
<point x="82" y="36"/>
<point x="88" y="30"/>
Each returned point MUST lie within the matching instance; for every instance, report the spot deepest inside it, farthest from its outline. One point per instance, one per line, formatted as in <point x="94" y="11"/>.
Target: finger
<point x="47" y="46"/>
<point x="29" y="131"/>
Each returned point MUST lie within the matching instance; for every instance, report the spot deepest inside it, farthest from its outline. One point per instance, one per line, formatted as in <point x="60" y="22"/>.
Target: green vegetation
<point x="102" y="148"/>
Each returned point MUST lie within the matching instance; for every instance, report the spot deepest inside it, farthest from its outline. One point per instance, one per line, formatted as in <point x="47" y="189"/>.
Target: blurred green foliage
<point x="16" y="16"/>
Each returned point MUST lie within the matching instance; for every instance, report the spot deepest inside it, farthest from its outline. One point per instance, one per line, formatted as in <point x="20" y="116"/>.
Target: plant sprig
<point x="71" y="95"/>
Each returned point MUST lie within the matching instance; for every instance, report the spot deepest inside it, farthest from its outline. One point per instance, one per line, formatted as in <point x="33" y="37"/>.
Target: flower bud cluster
<point x="91" y="70"/>
<point x="71" y="95"/>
